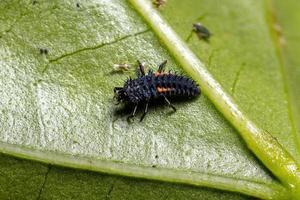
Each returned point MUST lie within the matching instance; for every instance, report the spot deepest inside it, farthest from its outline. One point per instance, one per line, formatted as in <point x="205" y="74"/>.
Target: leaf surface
<point x="58" y="108"/>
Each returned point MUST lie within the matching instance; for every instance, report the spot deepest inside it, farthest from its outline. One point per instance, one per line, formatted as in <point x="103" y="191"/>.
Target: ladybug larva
<point x="158" y="85"/>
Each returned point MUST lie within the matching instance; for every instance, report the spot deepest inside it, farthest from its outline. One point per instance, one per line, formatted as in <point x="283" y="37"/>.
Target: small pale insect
<point x="201" y="31"/>
<point x="121" y="67"/>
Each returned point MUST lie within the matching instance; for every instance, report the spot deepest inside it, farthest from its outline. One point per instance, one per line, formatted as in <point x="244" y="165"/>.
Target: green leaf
<point x="57" y="108"/>
<point x="284" y="18"/>
<point x="258" y="140"/>
<point x="51" y="182"/>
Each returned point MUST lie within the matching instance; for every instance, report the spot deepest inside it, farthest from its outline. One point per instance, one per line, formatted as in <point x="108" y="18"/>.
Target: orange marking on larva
<point x="159" y="73"/>
<point x="161" y="89"/>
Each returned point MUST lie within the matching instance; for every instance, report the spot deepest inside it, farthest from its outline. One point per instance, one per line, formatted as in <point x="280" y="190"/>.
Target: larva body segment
<point x="155" y="85"/>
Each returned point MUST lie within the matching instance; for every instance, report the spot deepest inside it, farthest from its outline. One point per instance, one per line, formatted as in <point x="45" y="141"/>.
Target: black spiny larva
<point x="148" y="87"/>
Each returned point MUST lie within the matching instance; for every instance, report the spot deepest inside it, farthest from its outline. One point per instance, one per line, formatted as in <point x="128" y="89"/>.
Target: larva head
<point x="120" y="94"/>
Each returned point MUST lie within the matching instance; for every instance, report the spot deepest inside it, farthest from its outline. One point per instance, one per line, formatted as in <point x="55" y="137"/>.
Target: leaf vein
<point x="44" y="182"/>
<point x="97" y="46"/>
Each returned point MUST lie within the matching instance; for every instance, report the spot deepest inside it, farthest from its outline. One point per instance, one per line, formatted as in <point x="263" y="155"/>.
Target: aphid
<point x="77" y="5"/>
<point x="121" y="67"/>
<point x="158" y="85"/>
<point x="159" y="3"/>
<point x="201" y="31"/>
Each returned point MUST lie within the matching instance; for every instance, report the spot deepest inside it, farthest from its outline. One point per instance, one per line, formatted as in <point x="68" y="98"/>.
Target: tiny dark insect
<point x="77" y="5"/>
<point x="44" y="51"/>
<point x="201" y="31"/>
<point x="148" y="87"/>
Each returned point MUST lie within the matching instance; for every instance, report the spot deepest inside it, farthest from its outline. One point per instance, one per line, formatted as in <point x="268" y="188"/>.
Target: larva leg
<point x="161" y="66"/>
<point x="169" y="103"/>
<point x="145" y="111"/>
<point x="141" y="71"/>
<point x="133" y="112"/>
